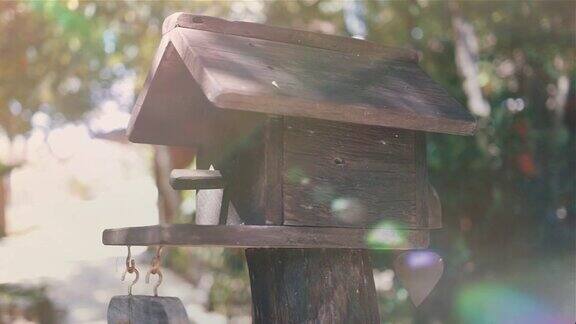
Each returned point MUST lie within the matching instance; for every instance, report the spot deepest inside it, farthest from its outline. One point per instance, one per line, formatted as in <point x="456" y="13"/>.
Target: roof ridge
<point x="286" y="35"/>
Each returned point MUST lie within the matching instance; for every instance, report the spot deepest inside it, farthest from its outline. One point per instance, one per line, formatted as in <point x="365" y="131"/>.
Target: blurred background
<point x="69" y="73"/>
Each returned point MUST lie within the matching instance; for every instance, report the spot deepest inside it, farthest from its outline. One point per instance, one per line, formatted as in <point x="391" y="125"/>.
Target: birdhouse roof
<point x="210" y="63"/>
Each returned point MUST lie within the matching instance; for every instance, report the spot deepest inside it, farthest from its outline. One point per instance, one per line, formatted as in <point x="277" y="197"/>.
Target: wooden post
<point x="312" y="286"/>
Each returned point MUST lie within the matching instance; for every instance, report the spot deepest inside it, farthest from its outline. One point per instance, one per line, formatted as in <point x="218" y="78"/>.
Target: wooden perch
<point x="184" y="179"/>
<point x="247" y="236"/>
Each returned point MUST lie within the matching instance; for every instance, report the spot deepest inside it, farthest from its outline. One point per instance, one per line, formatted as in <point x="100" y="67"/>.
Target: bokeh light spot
<point x="348" y="210"/>
<point x="421" y="259"/>
<point x="385" y="236"/>
<point x="484" y="303"/>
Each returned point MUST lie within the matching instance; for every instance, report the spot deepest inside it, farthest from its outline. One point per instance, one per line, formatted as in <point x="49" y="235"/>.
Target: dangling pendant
<point x="146" y="309"/>
<point x="419" y="272"/>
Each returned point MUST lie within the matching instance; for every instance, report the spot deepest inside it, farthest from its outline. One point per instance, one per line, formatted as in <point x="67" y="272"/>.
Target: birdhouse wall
<point x="349" y="175"/>
<point x="309" y="172"/>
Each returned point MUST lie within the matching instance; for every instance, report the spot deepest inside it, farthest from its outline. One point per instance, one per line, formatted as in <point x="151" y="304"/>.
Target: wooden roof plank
<point x="169" y="108"/>
<point x="277" y="78"/>
<point x="283" y="75"/>
<point x="285" y="35"/>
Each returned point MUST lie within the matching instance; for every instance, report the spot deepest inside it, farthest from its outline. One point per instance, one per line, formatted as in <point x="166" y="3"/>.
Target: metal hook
<point x="130" y="268"/>
<point x="155" y="269"/>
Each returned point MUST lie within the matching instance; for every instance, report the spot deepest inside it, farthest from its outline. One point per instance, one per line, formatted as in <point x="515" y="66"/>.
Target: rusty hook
<point x="155" y="269"/>
<point x="130" y="268"/>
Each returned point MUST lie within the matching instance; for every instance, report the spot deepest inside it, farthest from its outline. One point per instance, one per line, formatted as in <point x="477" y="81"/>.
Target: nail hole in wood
<point x="251" y="44"/>
<point x="197" y="20"/>
<point x="270" y="67"/>
<point x="338" y="161"/>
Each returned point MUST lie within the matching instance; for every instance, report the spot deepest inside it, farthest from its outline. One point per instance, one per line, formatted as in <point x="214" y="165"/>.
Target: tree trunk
<point x="165" y="160"/>
<point x="466" y="53"/>
<point x="168" y="199"/>
<point x="312" y="286"/>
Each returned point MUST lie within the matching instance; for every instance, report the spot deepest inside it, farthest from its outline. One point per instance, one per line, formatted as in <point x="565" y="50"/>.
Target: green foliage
<point x="61" y="57"/>
<point x="224" y="268"/>
<point x="508" y="192"/>
<point x="26" y="304"/>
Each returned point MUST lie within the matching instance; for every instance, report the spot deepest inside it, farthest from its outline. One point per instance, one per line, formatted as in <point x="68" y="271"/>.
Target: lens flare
<point x="484" y="303"/>
<point x="348" y="210"/>
<point x="421" y="259"/>
<point x="385" y="236"/>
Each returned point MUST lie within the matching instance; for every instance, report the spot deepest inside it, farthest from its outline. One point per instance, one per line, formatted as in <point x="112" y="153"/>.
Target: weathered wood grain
<point x="312" y="286"/>
<point x="146" y="310"/>
<point x="285" y="78"/>
<point x="286" y="35"/>
<point x="265" y="236"/>
<point x="340" y="174"/>
<point x="169" y="109"/>
<point x="422" y="184"/>
<point x="273" y="199"/>
<point x="242" y="73"/>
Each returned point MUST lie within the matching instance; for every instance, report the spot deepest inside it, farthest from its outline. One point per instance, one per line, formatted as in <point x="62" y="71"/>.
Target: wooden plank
<point x="185" y="179"/>
<point x="421" y="178"/>
<point x="369" y="148"/>
<point x="312" y="286"/>
<point x="286" y="35"/>
<point x="279" y="78"/>
<point x="338" y="174"/>
<point x="273" y="166"/>
<point x="146" y="310"/>
<point x="265" y="236"/>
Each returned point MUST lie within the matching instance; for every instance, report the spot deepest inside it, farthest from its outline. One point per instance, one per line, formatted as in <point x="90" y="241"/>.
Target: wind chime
<point x="311" y="150"/>
<point x="136" y="309"/>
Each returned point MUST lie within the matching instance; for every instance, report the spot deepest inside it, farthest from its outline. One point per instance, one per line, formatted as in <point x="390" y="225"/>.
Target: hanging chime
<point x="132" y="309"/>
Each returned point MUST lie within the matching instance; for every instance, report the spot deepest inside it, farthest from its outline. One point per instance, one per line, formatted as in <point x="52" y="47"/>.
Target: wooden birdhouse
<point x="304" y="140"/>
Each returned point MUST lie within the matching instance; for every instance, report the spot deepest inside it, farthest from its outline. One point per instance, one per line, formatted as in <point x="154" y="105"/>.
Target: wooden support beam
<point x="257" y="236"/>
<point x="312" y="286"/>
